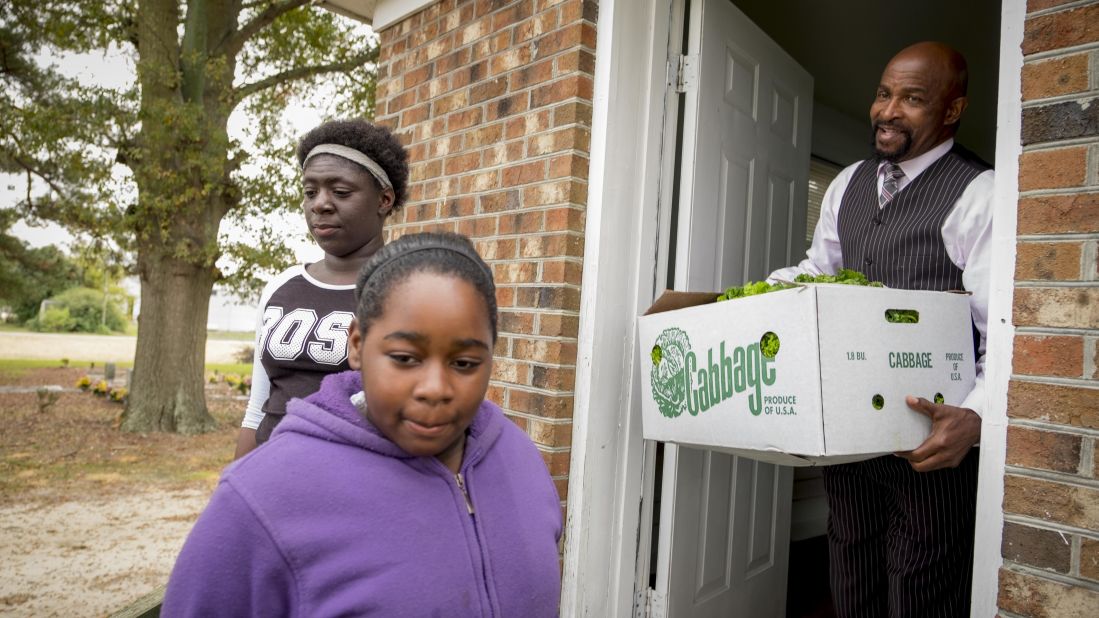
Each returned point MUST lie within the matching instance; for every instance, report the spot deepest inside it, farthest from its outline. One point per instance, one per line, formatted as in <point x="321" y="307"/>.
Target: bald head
<point x="920" y="100"/>
<point x="941" y="59"/>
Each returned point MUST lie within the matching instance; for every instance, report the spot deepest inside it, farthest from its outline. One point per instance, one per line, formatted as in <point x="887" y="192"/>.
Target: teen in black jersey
<point x="354" y="175"/>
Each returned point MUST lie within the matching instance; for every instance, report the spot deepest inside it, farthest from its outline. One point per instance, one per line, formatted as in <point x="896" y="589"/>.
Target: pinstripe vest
<point x="901" y="245"/>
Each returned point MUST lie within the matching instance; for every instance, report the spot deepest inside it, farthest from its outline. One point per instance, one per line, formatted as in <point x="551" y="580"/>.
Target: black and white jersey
<point x="301" y="336"/>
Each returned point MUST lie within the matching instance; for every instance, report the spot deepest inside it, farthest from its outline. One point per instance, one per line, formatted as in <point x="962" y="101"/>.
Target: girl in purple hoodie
<point x="396" y="489"/>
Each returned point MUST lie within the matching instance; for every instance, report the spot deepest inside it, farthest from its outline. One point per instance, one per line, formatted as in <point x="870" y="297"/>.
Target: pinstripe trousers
<point x="900" y="542"/>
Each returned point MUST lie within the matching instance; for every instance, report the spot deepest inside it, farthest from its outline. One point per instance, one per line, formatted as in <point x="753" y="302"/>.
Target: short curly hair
<point x="375" y="141"/>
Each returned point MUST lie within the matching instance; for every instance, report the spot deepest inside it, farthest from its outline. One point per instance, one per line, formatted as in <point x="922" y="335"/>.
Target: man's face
<point x="915" y="107"/>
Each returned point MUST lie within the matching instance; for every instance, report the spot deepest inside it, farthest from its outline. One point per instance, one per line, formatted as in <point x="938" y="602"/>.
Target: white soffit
<point x="377" y="13"/>
<point x="389" y="12"/>
<point x="362" y="10"/>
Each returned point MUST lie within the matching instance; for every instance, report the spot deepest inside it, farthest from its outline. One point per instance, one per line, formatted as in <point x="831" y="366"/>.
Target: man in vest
<point x="916" y="216"/>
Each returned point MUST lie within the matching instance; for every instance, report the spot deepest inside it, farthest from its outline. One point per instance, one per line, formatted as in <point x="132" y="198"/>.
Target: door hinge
<point x="684" y="72"/>
<point x="656" y="604"/>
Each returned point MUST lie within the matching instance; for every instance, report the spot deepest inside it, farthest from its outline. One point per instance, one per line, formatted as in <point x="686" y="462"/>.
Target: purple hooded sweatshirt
<point x="332" y="519"/>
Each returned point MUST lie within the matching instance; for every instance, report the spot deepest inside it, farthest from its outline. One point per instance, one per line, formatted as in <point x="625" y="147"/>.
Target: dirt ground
<point x="92" y="518"/>
<point x="91" y="556"/>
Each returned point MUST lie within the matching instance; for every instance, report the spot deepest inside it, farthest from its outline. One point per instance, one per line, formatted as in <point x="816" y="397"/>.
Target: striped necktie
<point x="891" y="175"/>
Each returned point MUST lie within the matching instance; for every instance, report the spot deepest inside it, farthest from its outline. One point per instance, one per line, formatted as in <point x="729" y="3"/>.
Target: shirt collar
<point x="915" y="166"/>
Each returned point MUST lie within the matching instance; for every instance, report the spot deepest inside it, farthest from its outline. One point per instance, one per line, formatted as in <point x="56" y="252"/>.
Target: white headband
<point x="351" y="155"/>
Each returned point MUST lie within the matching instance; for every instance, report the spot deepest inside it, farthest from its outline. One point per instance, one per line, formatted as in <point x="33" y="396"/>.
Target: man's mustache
<point x="892" y="126"/>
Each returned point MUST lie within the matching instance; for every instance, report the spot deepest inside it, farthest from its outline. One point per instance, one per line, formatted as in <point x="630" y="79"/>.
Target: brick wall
<point x="493" y="101"/>
<point x="1051" y="486"/>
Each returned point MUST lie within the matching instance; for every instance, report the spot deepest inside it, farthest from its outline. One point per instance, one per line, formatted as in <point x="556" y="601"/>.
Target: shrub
<point x="54" y="320"/>
<point x="80" y="310"/>
<point x="245" y="354"/>
<point x="84" y="383"/>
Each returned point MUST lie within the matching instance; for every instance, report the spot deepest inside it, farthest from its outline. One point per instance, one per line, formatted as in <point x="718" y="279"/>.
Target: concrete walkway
<point x="98" y="348"/>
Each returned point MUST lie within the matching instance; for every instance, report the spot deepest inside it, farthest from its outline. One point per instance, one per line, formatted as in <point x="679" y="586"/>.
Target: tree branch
<point x="235" y="41"/>
<point x="243" y="92"/>
<point x="31" y="169"/>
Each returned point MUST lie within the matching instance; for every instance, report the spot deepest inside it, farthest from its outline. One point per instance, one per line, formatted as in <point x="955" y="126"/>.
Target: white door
<point x="723" y="546"/>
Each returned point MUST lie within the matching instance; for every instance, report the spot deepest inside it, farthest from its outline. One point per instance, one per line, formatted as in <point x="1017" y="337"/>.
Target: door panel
<point x="765" y="490"/>
<point x="780" y="204"/>
<point x="735" y="195"/>
<point x="723" y="546"/>
<point x="716" y="513"/>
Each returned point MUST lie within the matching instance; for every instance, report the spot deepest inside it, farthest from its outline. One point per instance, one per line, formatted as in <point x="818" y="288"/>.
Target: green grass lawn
<point x="20" y="364"/>
<point x="232" y="335"/>
<point x="131" y="331"/>
<point x="11" y="327"/>
<point x="16" y="366"/>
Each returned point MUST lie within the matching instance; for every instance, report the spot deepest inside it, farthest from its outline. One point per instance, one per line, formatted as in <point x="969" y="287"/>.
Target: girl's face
<point x="425" y="364"/>
<point x="343" y="207"/>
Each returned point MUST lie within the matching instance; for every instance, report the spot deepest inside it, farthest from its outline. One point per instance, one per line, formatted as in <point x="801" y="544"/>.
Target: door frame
<point x="1000" y="337"/>
<point x="620" y="278"/>
<point x="608" y="525"/>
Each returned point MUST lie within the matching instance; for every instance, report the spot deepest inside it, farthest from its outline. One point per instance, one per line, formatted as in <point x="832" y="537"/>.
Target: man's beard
<point x="906" y="144"/>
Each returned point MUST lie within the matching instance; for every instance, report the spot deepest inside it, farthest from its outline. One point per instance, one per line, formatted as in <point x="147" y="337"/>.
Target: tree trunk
<point x="184" y="190"/>
<point x="168" y="382"/>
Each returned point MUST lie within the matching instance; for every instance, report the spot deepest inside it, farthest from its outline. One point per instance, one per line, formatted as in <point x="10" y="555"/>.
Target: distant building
<point x="227" y="311"/>
<point x="230" y="313"/>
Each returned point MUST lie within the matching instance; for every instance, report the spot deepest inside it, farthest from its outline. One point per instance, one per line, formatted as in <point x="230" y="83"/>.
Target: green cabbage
<point x="845" y="276"/>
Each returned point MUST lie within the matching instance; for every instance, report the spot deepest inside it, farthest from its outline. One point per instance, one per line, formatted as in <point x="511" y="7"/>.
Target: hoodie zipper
<point x="465" y="494"/>
<point x="461" y="481"/>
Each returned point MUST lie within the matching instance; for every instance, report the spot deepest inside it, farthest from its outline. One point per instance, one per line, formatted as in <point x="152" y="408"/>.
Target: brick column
<point x="493" y="100"/>
<point x="1051" y="486"/>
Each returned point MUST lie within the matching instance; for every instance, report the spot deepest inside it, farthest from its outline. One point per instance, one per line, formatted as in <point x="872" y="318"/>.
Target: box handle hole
<point x="657" y="355"/>
<point x="939" y="398"/>
<point x="902" y="316"/>
<point x="878" y="402"/>
<point x="769" y="344"/>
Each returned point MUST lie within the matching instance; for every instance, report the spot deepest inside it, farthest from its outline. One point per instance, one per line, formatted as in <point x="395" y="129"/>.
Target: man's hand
<point x="954" y="431"/>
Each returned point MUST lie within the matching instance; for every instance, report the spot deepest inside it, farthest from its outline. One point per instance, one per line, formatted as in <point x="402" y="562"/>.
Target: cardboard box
<point x="835" y="390"/>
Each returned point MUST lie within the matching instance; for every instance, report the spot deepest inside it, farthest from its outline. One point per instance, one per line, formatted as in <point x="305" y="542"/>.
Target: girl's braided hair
<point x="439" y="253"/>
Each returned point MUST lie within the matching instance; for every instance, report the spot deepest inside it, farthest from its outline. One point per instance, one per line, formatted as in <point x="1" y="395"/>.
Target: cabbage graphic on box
<point x="669" y="374"/>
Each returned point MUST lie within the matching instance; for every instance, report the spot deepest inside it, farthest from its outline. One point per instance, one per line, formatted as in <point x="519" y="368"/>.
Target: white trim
<point x="362" y="10"/>
<point x="388" y="12"/>
<point x="1000" y="336"/>
<point x="669" y="31"/>
<point x="619" y="263"/>
<point x="317" y="282"/>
